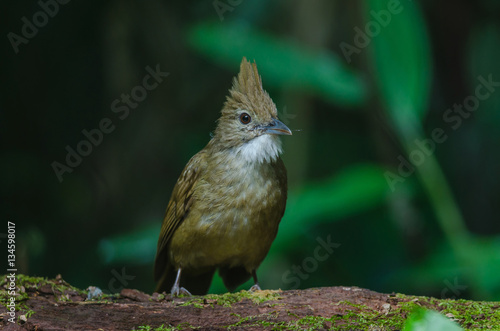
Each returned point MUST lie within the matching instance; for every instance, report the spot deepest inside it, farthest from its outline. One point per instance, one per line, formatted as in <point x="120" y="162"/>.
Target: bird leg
<point x="176" y="289"/>
<point x="256" y="286"/>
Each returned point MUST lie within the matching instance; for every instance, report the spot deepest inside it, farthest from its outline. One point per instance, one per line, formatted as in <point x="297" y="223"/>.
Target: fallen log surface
<point x="43" y="304"/>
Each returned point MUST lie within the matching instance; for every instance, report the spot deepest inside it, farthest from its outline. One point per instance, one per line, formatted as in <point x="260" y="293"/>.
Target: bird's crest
<point x="248" y="80"/>
<point x="247" y="89"/>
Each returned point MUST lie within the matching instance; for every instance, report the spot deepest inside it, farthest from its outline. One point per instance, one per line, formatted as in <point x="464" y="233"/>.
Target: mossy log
<point x="43" y="304"/>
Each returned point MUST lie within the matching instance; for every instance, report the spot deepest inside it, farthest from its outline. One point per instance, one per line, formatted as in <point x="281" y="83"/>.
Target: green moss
<point x="26" y="283"/>
<point x="471" y="315"/>
<point x="181" y="326"/>
<point x="22" y="283"/>
<point x="37" y="282"/>
<point x="197" y="303"/>
<point x="363" y="317"/>
<point x="267" y="321"/>
<point x="308" y="323"/>
<point x="261" y="320"/>
<point x="228" y="299"/>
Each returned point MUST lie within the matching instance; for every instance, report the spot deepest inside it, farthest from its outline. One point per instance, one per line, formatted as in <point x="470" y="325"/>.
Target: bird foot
<point x="254" y="288"/>
<point x="178" y="291"/>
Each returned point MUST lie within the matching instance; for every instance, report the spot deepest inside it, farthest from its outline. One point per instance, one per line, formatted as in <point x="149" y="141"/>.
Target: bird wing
<point x="283" y="178"/>
<point x="177" y="209"/>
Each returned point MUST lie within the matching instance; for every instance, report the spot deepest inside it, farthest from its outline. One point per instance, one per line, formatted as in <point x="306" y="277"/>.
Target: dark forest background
<point x="395" y="159"/>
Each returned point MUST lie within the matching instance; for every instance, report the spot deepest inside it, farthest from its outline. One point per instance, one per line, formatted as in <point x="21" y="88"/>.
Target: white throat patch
<point x="264" y="148"/>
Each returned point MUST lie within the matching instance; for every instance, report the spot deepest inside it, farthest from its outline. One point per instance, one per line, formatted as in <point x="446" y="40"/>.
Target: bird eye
<point x="245" y="118"/>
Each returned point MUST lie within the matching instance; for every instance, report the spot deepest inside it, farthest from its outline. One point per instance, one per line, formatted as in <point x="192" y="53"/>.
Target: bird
<point x="228" y="202"/>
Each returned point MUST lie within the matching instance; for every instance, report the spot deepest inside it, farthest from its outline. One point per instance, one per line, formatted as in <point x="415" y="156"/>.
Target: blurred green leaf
<point x="483" y="55"/>
<point x="282" y="63"/>
<point x="136" y="247"/>
<point x="352" y="191"/>
<point x="401" y="60"/>
<point x="429" y="320"/>
<point x="485" y="252"/>
<point x="441" y="268"/>
<point x="401" y="56"/>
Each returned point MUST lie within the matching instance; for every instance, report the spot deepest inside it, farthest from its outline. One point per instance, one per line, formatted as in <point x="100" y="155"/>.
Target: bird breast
<point x="235" y="214"/>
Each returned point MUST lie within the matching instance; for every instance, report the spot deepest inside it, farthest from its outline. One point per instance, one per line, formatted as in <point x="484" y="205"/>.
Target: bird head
<point x="249" y="121"/>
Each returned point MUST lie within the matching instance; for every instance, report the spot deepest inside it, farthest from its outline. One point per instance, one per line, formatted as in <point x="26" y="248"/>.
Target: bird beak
<point x="277" y="127"/>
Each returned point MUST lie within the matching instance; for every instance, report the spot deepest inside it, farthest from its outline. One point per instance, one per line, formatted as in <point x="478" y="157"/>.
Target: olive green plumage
<point x="227" y="204"/>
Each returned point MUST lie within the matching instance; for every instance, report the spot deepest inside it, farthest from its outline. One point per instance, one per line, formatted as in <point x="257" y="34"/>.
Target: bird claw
<point x="178" y="291"/>
<point x="254" y="288"/>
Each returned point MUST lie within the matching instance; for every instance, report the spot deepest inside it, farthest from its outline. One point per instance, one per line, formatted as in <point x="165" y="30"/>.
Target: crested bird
<point x="227" y="204"/>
